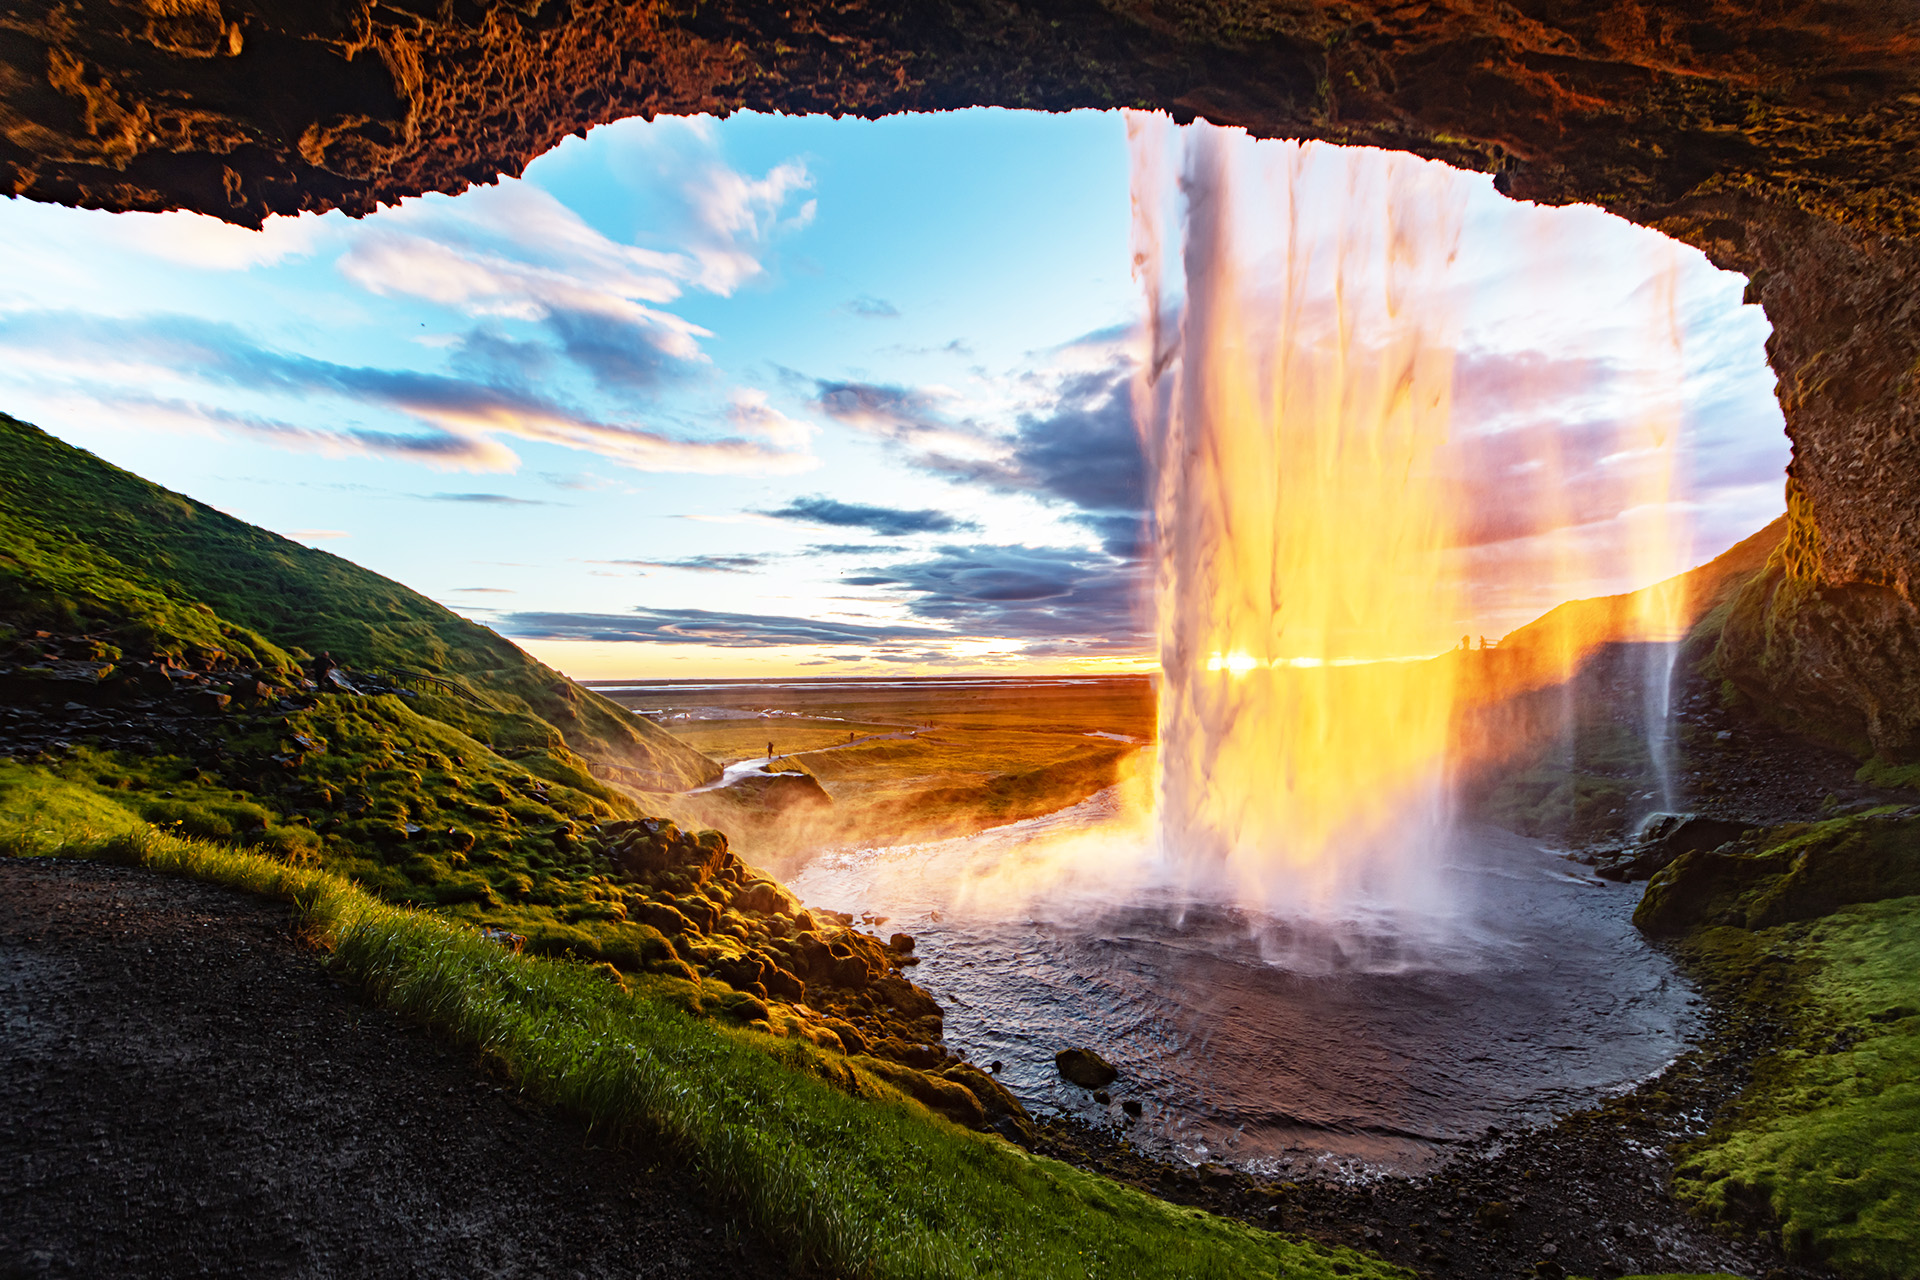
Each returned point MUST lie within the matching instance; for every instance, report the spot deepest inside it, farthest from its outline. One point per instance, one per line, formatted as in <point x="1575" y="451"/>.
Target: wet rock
<point x="1663" y="838"/>
<point x="742" y="973"/>
<point x="943" y="1097"/>
<point x="1085" y="1068"/>
<point x="1132" y="1107"/>
<point x="1752" y="886"/>
<point x="901" y="943"/>
<point x="1102" y="1097"/>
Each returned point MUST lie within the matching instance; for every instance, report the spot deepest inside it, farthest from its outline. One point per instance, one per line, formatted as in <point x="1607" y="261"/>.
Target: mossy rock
<point x="1797" y="872"/>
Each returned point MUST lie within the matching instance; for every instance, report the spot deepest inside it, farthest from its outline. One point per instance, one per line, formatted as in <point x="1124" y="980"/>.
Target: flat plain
<point x="897" y="759"/>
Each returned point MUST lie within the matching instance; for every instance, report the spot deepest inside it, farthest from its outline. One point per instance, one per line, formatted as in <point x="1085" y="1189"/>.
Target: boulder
<point x="1663" y="838"/>
<point x="781" y="984"/>
<point x="850" y="1035"/>
<point x="666" y="919"/>
<point x="742" y="973"/>
<point x="1085" y="1068"/>
<point x="765" y="897"/>
<point x="1004" y="1113"/>
<point x="1795" y="872"/>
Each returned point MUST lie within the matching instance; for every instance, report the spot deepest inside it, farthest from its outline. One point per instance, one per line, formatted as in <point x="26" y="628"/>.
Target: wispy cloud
<point x="736" y="214"/>
<point x="486" y="499"/>
<point x="701" y="626"/>
<point x="461" y="414"/>
<point x="871" y="308"/>
<point x="888" y="522"/>
<point x="1025" y="593"/>
<point x="696" y="564"/>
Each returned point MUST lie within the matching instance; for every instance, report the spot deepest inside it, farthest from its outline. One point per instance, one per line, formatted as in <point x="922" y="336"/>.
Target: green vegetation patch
<point x="1826" y="1141"/>
<point x="1793" y="872"/>
<point x="866" y="1186"/>
<point x="410" y="809"/>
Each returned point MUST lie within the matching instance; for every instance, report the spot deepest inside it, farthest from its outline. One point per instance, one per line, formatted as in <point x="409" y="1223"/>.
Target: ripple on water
<point x="1284" y="1046"/>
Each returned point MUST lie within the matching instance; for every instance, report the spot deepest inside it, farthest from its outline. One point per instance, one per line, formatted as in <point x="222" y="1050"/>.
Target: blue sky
<point x="781" y="395"/>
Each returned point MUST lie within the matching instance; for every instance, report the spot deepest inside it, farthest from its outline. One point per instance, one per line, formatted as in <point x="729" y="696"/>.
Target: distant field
<point x="927" y="757"/>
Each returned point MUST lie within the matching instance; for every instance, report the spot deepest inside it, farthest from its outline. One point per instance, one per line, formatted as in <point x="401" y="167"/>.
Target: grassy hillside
<point x="87" y="547"/>
<point x="151" y="681"/>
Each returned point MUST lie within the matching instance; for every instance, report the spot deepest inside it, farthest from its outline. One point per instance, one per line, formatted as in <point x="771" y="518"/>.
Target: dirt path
<point x="184" y="1091"/>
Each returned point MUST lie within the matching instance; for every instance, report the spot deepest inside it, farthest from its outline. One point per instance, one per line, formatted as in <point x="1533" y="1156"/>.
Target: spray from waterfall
<point x="1321" y="525"/>
<point x="1294" y="406"/>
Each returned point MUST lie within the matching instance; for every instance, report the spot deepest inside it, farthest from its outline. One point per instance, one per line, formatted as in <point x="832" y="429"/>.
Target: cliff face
<point x="1777" y="137"/>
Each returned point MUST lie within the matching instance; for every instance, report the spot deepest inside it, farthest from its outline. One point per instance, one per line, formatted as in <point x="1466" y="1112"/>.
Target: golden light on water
<point x="1296" y="404"/>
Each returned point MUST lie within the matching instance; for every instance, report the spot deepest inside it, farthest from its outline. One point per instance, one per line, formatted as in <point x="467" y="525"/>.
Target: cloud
<point x="735" y="214"/>
<point x="485" y="591"/>
<point x="901" y="415"/>
<point x="1076" y="446"/>
<point x="888" y="522"/>
<point x="697" y="564"/>
<point x="485" y="499"/>
<point x="751" y="415"/>
<point x="514" y="252"/>
<point x="462" y="414"/>
<point x="1025" y="593"/>
<point x="196" y="240"/>
<point x="317" y="535"/>
<point x="871" y="308"/>
<point x="438" y="449"/>
<point x="700" y="626"/>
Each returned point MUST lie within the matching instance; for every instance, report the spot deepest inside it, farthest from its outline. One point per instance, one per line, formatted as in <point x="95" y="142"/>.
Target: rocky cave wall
<point x="1777" y="135"/>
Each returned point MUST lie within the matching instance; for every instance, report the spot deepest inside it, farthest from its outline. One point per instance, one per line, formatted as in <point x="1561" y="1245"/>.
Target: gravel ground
<point x="184" y="1091"/>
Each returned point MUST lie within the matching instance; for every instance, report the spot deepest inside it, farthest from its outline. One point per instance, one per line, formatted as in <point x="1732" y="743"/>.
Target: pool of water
<point x="1287" y="1046"/>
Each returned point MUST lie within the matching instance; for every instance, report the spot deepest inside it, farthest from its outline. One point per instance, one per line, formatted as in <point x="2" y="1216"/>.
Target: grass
<point x="865" y="1186"/>
<point x="405" y="806"/>
<point x="1826" y="1141"/>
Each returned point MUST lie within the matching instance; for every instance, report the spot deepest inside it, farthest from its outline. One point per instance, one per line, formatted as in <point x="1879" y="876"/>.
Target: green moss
<point x="1826" y="1142"/>
<point x="1794" y="872"/>
<point x="1881" y="772"/>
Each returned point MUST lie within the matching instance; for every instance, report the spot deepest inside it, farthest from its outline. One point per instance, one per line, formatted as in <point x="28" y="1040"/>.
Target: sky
<point x="794" y="396"/>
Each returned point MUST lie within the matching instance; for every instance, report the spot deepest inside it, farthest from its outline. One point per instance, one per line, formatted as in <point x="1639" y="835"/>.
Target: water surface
<point x="1284" y="1046"/>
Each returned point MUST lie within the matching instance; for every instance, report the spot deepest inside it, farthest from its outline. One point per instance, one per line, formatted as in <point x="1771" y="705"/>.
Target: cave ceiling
<point x="241" y="109"/>
<point x="1777" y="135"/>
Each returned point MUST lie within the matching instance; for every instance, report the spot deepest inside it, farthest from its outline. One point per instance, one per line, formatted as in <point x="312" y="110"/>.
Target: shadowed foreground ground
<point x="184" y="1091"/>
